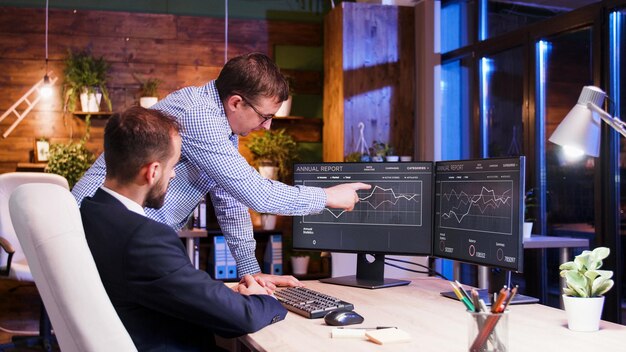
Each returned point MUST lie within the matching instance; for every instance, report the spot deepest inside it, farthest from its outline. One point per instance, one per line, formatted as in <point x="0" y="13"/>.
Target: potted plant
<point x="85" y="78"/>
<point x="276" y="149"/>
<point x="69" y="160"/>
<point x="583" y="297"/>
<point x="530" y="202"/>
<point x="149" y="92"/>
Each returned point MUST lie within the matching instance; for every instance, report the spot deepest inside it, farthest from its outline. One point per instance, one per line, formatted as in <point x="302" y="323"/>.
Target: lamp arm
<point x="614" y="122"/>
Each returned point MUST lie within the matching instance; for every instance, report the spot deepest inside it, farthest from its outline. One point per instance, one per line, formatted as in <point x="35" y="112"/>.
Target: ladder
<point x="30" y="100"/>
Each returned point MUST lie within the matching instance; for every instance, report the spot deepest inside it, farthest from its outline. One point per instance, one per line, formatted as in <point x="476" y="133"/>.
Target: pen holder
<point x="488" y="332"/>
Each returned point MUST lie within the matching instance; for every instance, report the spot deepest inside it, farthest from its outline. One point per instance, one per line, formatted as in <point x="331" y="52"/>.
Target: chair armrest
<point x="7" y="247"/>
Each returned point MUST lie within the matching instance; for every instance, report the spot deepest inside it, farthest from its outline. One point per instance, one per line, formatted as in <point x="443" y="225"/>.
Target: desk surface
<point x="435" y="323"/>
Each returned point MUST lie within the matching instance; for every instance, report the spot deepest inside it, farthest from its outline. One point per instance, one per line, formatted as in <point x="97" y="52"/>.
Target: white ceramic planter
<point x="528" y="230"/>
<point x="392" y="158"/>
<point x="583" y="314"/>
<point x="270" y="172"/>
<point x="268" y="221"/>
<point x="285" y="108"/>
<point x="90" y="102"/>
<point x="146" y="102"/>
<point x="299" y="265"/>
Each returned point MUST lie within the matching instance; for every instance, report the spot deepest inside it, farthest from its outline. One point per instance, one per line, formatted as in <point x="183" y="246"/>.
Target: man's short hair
<point x="252" y="75"/>
<point x="137" y="137"/>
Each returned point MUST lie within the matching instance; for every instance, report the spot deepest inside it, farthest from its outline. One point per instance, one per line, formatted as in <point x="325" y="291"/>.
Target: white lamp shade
<point x="580" y="129"/>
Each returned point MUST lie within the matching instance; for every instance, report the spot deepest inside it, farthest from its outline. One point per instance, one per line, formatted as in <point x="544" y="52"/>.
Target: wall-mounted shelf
<point x="101" y="115"/>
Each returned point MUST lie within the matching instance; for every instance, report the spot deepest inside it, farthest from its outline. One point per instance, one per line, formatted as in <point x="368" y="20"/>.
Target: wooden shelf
<point x="32" y="167"/>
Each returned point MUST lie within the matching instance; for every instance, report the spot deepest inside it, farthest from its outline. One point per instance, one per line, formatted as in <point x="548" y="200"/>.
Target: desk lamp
<point x="579" y="132"/>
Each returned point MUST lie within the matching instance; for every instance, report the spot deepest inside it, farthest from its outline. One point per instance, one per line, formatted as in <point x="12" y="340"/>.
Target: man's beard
<point x="156" y="197"/>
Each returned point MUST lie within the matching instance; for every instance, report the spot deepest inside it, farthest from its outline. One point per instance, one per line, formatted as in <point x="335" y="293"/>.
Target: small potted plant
<point x="274" y="149"/>
<point x="583" y="297"/>
<point x="530" y="202"/>
<point x="69" y="160"/>
<point x="85" y="78"/>
<point x="378" y="151"/>
<point x="149" y="92"/>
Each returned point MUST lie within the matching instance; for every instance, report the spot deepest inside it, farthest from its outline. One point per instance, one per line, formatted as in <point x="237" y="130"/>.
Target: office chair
<point x="13" y="265"/>
<point x="48" y="224"/>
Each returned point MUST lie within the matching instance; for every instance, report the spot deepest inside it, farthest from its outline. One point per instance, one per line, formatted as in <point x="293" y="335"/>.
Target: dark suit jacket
<point x="163" y="301"/>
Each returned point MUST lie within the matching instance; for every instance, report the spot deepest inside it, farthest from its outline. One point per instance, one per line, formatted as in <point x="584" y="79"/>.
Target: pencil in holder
<point x="488" y="332"/>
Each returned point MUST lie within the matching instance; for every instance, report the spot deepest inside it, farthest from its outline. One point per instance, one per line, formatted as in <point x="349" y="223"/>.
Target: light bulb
<point x="45" y="91"/>
<point x="572" y="153"/>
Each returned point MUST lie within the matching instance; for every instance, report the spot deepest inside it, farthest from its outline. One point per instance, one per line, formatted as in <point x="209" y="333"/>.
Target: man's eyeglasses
<point x="264" y="117"/>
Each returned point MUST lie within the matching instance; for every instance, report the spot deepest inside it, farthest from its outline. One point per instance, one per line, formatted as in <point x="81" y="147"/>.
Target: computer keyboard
<point x="309" y="303"/>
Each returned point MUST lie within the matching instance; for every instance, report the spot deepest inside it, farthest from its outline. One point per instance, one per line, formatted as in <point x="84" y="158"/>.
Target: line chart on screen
<point x="390" y="203"/>
<point x="481" y="206"/>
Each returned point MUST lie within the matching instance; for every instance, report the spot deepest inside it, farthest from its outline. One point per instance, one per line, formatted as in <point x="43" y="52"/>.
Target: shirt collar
<point x="128" y="203"/>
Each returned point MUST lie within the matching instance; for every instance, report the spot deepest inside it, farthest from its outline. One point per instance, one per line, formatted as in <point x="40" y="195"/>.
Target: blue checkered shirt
<point x="210" y="163"/>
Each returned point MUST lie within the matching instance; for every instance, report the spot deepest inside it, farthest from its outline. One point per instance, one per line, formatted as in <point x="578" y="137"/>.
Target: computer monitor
<point x="479" y="212"/>
<point x="393" y="217"/>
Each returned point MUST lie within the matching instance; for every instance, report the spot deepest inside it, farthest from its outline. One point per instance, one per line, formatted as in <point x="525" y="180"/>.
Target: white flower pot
<point x="583" y="314"/>
<point x="528" y="229"/>
<point x="270" y="172"/>
<point x="268" y="221"/>
<point x="285" y="108"/>
<point x="90" y="102"/>
<point x="392" y="158"/>
<point x="299" y="265"/>
<point x="146" y="102"/>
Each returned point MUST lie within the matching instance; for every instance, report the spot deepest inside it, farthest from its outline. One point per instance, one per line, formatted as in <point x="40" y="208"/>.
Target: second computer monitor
<point x="479" y="211"/>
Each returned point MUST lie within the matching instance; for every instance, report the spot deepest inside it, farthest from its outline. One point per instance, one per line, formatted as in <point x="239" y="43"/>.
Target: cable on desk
<point x="430" y="271"/>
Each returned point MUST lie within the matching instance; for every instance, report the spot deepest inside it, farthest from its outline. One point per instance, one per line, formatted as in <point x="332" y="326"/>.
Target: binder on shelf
<point x="273" y="260"/>
<point x="219" y="258"/>
<point x="231" y="265"/>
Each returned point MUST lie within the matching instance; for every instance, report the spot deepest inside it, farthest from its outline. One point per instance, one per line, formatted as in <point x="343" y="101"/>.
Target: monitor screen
<point x="478" y="211"/>
<point x="393" y="217"/>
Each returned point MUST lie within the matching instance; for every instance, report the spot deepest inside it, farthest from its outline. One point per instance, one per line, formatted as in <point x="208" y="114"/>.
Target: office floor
<point x="19" y="310"/>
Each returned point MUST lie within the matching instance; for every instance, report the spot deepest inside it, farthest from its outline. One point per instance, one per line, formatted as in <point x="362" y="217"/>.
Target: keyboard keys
<point x="309" y="303"/>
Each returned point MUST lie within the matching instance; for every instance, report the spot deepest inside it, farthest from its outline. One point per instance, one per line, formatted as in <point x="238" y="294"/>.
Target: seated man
<point x="163" y="301"/>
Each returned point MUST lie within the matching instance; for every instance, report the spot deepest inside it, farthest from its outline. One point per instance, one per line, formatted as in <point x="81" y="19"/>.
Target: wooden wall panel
<point x="180" y="50"/>
<point x="370" y="66"/>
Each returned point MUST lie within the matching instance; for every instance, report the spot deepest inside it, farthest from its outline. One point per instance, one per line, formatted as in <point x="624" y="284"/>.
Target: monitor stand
<point x="498" y="279"/>
<point x="368" y="274"/>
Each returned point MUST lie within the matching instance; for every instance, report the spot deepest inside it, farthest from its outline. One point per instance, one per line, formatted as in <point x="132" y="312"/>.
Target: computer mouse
<point x="343" y="317"/>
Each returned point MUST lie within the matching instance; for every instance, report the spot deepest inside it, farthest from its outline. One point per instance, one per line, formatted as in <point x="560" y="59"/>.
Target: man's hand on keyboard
<point x="271" y="281"/>
<point x="249" y="286"/>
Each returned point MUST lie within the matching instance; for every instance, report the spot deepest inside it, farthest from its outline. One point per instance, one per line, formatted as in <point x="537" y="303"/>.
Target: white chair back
<point x="49" y="226"/>
<point x="8" y="183"/>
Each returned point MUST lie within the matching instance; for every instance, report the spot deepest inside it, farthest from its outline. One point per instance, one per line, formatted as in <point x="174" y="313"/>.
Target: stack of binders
<point x="273" y="259"/>
<point x="221" y="260"/>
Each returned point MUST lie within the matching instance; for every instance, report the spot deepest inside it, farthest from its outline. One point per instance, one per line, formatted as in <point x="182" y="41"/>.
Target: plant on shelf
<point x="148" y="91"/>
<point x="381" y="151"/>
<point x="69" y="160"/>
<point x="87" y="75"/>
<point x="583" y="297"/>
<point x="274" y="148"/>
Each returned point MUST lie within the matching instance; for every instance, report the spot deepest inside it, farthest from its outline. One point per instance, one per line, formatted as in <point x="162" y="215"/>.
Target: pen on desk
<point x="461" y="298"/>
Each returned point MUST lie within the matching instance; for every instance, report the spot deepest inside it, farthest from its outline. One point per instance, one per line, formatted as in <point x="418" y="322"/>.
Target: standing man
<point x="162" y="300"/>
<point x="244" y="98"/>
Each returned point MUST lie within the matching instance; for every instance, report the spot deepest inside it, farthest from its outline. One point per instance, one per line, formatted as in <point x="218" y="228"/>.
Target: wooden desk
<point x="435" y="323"/>
<point x="192" y="243"/>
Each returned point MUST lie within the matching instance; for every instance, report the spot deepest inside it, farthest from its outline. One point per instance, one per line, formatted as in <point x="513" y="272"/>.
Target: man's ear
<point x="153" y="171"/>
<point x="233" y="102"/>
